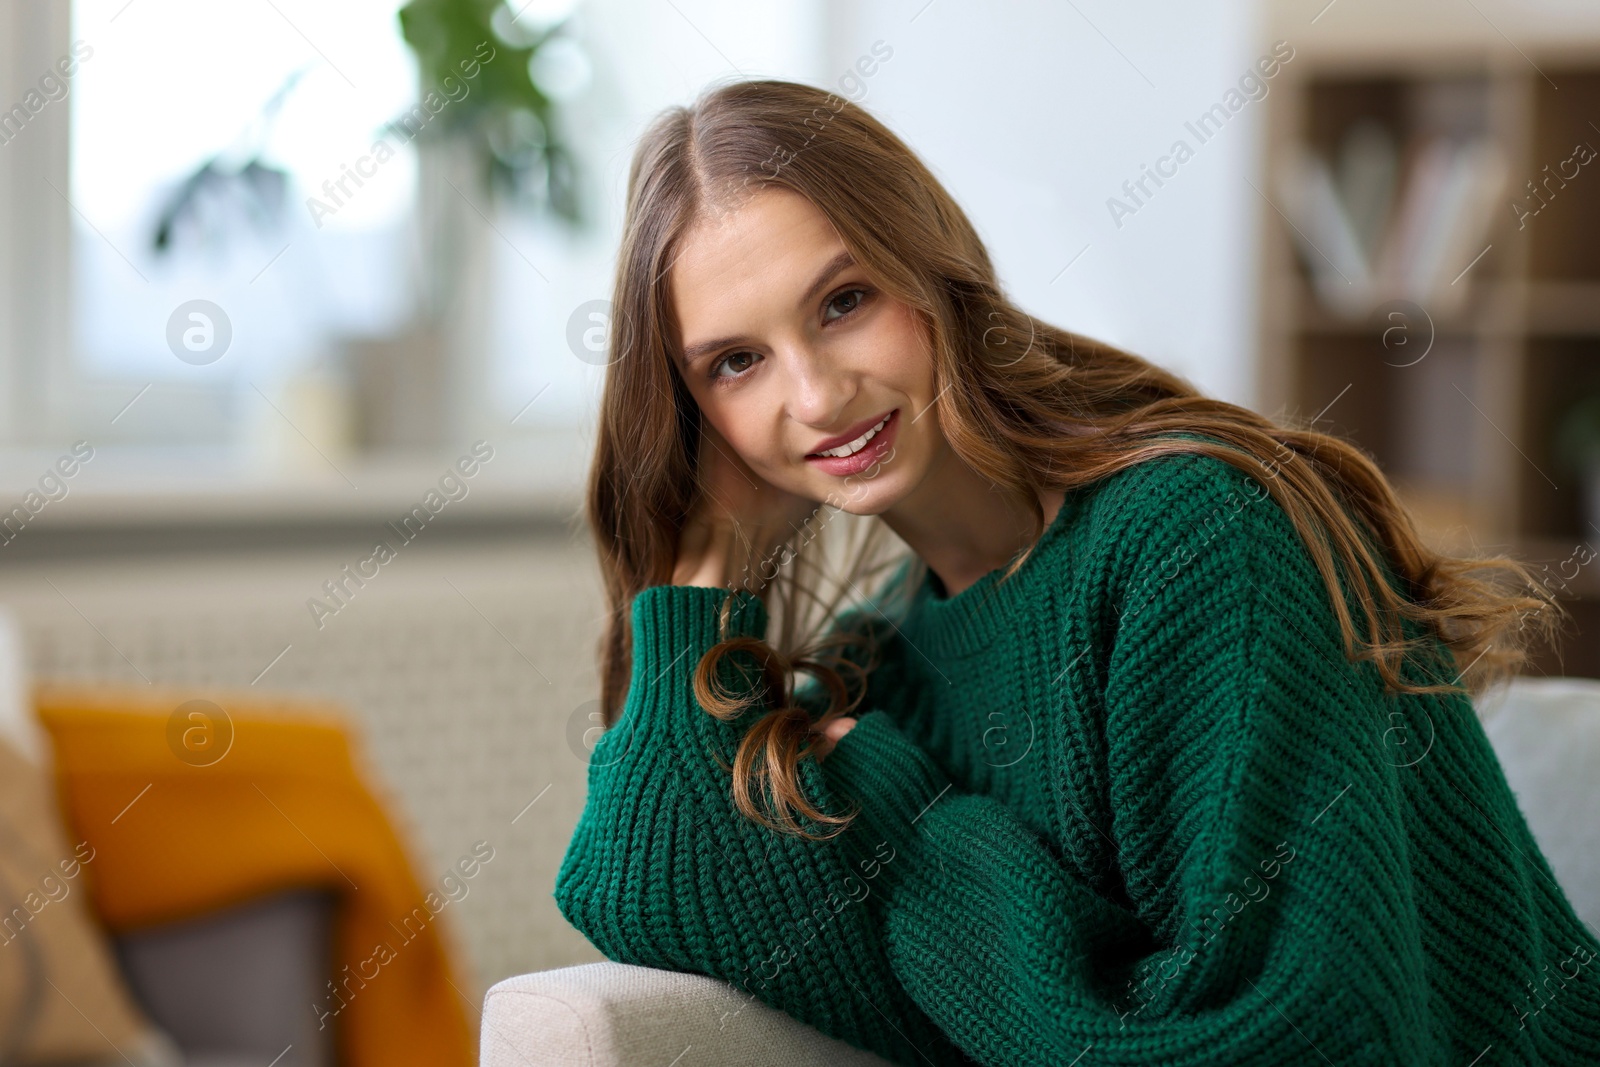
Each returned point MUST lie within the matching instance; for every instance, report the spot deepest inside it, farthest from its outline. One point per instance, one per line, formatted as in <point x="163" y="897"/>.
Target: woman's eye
<point x="854" y="298"/>
<point x="729" y="360"/>
<point x="739" y="362"/>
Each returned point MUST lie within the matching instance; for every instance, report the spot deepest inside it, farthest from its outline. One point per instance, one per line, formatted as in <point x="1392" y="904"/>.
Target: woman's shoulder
<point x="1160" y="503"/>
<point x="1221" y="522"/>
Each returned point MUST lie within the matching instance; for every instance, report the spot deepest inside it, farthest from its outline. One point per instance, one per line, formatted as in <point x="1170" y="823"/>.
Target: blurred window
<point x="204" y="128"/>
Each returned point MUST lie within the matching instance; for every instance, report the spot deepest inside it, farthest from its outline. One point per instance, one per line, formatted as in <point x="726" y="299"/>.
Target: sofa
<point x="215" y="990"/>
<point x="1545" y="731"/>
<point x="168" y="904"/>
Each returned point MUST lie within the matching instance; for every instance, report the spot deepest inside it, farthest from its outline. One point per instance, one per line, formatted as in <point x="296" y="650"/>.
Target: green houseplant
<point x="506" y="123"/>
<point x="508" y="119"/>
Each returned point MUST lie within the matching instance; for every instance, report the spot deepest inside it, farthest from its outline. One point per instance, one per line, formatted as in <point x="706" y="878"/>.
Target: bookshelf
<point x="1451" y="333"/>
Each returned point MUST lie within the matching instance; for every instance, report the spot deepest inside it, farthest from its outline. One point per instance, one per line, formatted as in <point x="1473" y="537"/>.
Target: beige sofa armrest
<point x="617" y="1015"/>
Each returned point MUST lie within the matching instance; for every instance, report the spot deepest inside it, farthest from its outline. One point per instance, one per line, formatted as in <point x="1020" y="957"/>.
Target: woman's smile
<point x="862" y="452"/>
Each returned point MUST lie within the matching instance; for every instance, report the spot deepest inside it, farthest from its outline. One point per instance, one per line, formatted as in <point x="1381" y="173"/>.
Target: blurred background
<point x="282" y="281"/>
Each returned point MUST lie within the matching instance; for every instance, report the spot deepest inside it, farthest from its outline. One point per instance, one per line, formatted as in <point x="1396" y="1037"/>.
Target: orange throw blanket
<point x="188" y="813"/>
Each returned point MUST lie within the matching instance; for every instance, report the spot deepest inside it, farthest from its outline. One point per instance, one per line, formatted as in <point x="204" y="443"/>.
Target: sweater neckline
<point x="973" y="618"/>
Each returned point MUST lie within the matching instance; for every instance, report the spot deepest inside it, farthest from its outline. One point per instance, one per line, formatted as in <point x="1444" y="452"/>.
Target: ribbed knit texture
<point x="1132" y="805"/>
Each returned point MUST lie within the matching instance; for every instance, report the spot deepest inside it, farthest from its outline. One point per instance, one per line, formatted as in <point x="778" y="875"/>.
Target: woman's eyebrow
<point x="832" y="267"/>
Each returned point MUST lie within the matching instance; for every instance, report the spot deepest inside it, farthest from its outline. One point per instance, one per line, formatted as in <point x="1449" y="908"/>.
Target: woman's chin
<point x="873" y="501"/>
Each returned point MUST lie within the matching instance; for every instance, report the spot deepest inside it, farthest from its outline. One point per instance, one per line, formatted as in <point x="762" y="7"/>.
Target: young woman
<point x="1158" y="745"/>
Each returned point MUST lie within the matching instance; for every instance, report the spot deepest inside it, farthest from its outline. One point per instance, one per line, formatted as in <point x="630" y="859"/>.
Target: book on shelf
<point x="1370" y="231"/>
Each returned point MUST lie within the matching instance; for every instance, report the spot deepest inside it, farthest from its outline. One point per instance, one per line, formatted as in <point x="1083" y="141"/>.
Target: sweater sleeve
<point x="1270" y="913"/>
<point x="662" y="871"/>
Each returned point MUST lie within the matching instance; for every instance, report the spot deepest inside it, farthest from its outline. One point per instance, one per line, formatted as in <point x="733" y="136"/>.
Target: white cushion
<point x="617" y="1015"/>
<point x="1546" y="733"/>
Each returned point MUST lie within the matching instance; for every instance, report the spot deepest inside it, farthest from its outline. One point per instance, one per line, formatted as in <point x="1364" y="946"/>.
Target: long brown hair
<point x="1026" y="404"/>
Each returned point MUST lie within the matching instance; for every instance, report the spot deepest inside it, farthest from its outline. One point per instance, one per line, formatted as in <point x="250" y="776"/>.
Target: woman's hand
<point x="831" y="734"/>
<point x="734" y="500"/>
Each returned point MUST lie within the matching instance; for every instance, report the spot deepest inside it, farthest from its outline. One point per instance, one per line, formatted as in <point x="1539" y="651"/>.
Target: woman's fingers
<point x="831" y="734"/>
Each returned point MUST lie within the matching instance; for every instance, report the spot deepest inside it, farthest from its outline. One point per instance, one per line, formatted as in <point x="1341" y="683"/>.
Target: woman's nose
<point x="820" y="391"/>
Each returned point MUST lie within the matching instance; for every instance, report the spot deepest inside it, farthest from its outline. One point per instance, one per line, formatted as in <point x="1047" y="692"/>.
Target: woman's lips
<point x="872" y="452"/>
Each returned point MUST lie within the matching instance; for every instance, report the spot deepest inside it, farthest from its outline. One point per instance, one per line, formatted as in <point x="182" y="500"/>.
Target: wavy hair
<point x="1026" y="404"/>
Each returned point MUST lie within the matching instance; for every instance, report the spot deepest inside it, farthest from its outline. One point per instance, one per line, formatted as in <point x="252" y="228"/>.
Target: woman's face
<point x="790" y="346"/>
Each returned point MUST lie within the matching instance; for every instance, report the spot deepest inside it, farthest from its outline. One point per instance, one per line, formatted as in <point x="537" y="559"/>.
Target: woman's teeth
<point x="859" y="443"/>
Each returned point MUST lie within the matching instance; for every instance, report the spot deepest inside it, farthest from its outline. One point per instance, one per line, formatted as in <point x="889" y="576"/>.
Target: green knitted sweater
<point x="1132" y="805"/>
